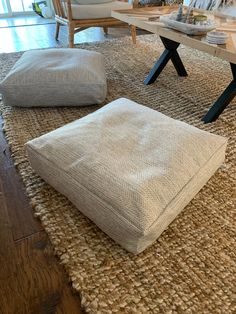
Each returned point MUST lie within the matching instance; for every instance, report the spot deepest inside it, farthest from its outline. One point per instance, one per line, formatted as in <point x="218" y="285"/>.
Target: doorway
<point x="10" y="8"/>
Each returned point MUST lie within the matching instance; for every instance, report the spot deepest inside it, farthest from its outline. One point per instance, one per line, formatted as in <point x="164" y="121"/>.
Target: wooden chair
<point x="66" y="13"/>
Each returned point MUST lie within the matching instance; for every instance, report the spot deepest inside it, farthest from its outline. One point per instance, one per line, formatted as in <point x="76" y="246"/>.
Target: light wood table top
<point x="140" y="18"/>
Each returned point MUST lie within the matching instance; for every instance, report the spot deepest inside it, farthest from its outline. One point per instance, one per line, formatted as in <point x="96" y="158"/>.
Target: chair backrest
<point x="63" y="8"/>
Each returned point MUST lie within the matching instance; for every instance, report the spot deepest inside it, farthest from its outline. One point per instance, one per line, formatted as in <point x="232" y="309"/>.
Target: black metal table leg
<point x="170" y="53"/>
<point x="223" y="101"/>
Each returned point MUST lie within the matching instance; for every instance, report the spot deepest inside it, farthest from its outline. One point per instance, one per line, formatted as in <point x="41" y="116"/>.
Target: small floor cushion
<point x="56" y="77"/>
<point x="128" y="168"/>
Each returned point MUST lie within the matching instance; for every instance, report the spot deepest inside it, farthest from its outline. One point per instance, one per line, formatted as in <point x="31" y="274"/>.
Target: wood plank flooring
<point x="23" y="38"/>
<point x="31" y="278"/>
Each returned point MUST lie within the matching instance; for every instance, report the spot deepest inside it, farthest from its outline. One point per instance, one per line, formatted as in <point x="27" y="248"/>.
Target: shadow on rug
<point x="191" y="268"/>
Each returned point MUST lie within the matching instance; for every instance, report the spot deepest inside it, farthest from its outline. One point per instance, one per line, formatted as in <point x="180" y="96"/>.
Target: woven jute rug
<point x="191" y="268"/>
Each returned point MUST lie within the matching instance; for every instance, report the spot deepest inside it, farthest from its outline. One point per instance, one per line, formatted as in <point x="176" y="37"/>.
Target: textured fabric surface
<point x="130" y="169"/>
<point x="191" y="267"/>
<point x="56" y="77"/>
<point x="96" y="11"/>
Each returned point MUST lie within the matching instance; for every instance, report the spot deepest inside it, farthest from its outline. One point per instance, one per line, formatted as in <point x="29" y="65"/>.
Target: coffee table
<point x="171" y="39"/>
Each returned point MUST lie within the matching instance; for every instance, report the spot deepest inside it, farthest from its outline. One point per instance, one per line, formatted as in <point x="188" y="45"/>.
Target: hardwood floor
<point x="31" y="278"/>
<point x="23" y="38"/>
<point x="24" y="20"/>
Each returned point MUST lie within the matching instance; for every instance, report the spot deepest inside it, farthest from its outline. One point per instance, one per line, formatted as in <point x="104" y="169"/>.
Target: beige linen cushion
<point x="91" y="1"/>
<point x="128" y="168"/>
<point x="56" y="77"/>
<point x="95" y="11"/>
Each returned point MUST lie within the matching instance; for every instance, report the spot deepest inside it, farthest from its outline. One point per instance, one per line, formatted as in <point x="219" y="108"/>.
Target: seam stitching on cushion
<point x="203" y="166"/>
<point x="143" y="232"/>
<point x="92" y="193"/>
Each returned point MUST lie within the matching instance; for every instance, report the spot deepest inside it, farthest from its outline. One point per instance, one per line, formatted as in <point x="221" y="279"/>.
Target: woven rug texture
<point x="191" y="268"/>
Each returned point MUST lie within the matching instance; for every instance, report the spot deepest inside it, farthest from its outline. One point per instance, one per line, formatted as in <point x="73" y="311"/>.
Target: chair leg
<point x="105" y="29"/>
<point x="57" y="30"/>
<point x="133" y="33"/>
<point x="71" y="37"/>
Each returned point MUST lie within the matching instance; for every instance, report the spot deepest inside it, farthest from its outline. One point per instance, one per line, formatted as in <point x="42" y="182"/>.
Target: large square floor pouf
<point x="128" y="168"/>
<point x="56" y="77"/>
